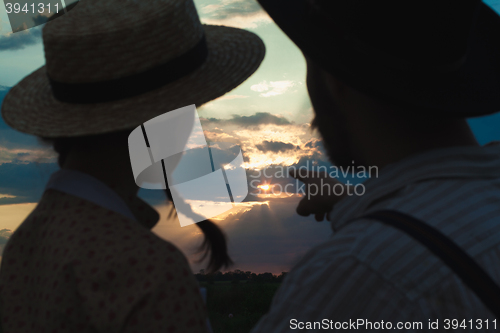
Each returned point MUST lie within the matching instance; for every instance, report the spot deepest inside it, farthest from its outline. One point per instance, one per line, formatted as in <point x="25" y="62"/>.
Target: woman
<point x="85" y="260"/>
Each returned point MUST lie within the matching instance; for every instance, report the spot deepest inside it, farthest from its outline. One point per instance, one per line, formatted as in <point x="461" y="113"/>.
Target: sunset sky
<point x="268" y="116"/>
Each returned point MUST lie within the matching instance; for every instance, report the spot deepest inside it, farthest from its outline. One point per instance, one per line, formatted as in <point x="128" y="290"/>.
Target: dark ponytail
<point x="214" y="245"/>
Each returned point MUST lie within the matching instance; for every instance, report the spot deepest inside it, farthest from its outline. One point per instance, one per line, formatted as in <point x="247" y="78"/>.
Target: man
<point x="391" y="83"/>
<point x="85" y="259"/>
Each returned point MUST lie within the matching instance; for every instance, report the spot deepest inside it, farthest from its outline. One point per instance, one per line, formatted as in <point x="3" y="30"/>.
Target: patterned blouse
<point x="75" y="266"/>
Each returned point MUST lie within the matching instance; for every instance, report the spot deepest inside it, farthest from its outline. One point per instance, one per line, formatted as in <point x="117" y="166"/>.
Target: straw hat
<point x="441" y="56"/>
<point x="112" y="65"/>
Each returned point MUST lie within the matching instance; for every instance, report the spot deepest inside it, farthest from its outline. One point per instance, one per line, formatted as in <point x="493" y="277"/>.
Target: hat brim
<point x="473" y="90"/>
<point x="234" y="55"/>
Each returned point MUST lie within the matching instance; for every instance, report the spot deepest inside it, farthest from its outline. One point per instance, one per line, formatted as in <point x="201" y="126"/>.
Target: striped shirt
<point x="371" y="274"/>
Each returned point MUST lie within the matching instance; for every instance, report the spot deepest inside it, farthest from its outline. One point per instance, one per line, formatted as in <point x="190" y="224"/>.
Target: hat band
<point x="132" y="85"/>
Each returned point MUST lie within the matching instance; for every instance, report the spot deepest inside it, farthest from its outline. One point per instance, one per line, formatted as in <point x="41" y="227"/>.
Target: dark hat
<point x="439" y="55"/>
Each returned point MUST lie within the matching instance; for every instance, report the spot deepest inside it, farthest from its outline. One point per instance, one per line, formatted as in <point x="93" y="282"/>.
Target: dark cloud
<point x="231" y="8"/>
<point x="194" y="163"/>
<point x="314" y="144"/>
<point x="25" y="20"/>
<point x="259" y="118"/>
<point x="10" y="138"/>
<point x="273" y="237"/>
<point x="25" y="181"/>
<point x="267" y="236"/>
<point x="276" y="146"/>
<point x="36" y="20"/>
<point x="19" y="40"/>
<point x="40" y="19"/>
<point x="4" y="236"/>
<point x="224" y="155"/>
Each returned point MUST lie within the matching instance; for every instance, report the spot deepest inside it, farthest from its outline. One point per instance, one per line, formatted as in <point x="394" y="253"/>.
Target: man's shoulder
<point x="353" y="240"/>
<point x="396" y="257"/>
<point x="373" y="248"/>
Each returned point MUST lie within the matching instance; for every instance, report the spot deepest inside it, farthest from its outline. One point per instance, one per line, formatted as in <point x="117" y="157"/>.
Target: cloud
<point x="228" y="97"/>
<point x="19" y="40"/>
<point x="235" y="13"/>
<point x="4" y="237"/>
<point x="26" y="33"/>
<point x="263" y="236"/>
<point x="272" y="236"/>
<point x="19" y="155"/>
<point x="24" y="182"/>
<point x="260" y="118"/>
<point x="12" y="217"/>
<point x="314" y="143"/>
<point x="265" y="139"/>
<point x="273" y="88"/>
<point x="276" y="146"/>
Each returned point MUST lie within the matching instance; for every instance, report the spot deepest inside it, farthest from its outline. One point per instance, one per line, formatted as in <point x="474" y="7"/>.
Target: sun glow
<point x="264" y="187"/>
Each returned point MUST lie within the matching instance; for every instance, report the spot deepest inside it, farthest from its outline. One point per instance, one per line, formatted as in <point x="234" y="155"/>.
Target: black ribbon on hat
<point x="132" y="85"/>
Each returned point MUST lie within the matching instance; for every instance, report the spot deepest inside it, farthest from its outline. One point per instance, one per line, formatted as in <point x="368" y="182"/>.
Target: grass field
<point x="247" y="302"/>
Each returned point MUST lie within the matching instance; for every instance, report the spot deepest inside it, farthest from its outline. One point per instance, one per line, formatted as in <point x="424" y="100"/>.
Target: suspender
<point x="450" y="253"/>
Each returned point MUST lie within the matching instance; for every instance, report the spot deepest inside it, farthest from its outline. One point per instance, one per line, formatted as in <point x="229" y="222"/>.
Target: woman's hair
<point x="214" y="244"/>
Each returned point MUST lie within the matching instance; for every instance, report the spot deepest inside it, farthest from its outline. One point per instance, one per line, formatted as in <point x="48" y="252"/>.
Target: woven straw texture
<point x="103" y="40"/>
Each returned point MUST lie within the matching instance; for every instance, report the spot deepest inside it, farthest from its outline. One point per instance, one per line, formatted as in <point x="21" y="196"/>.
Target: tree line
<point x="238" y="275"/>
